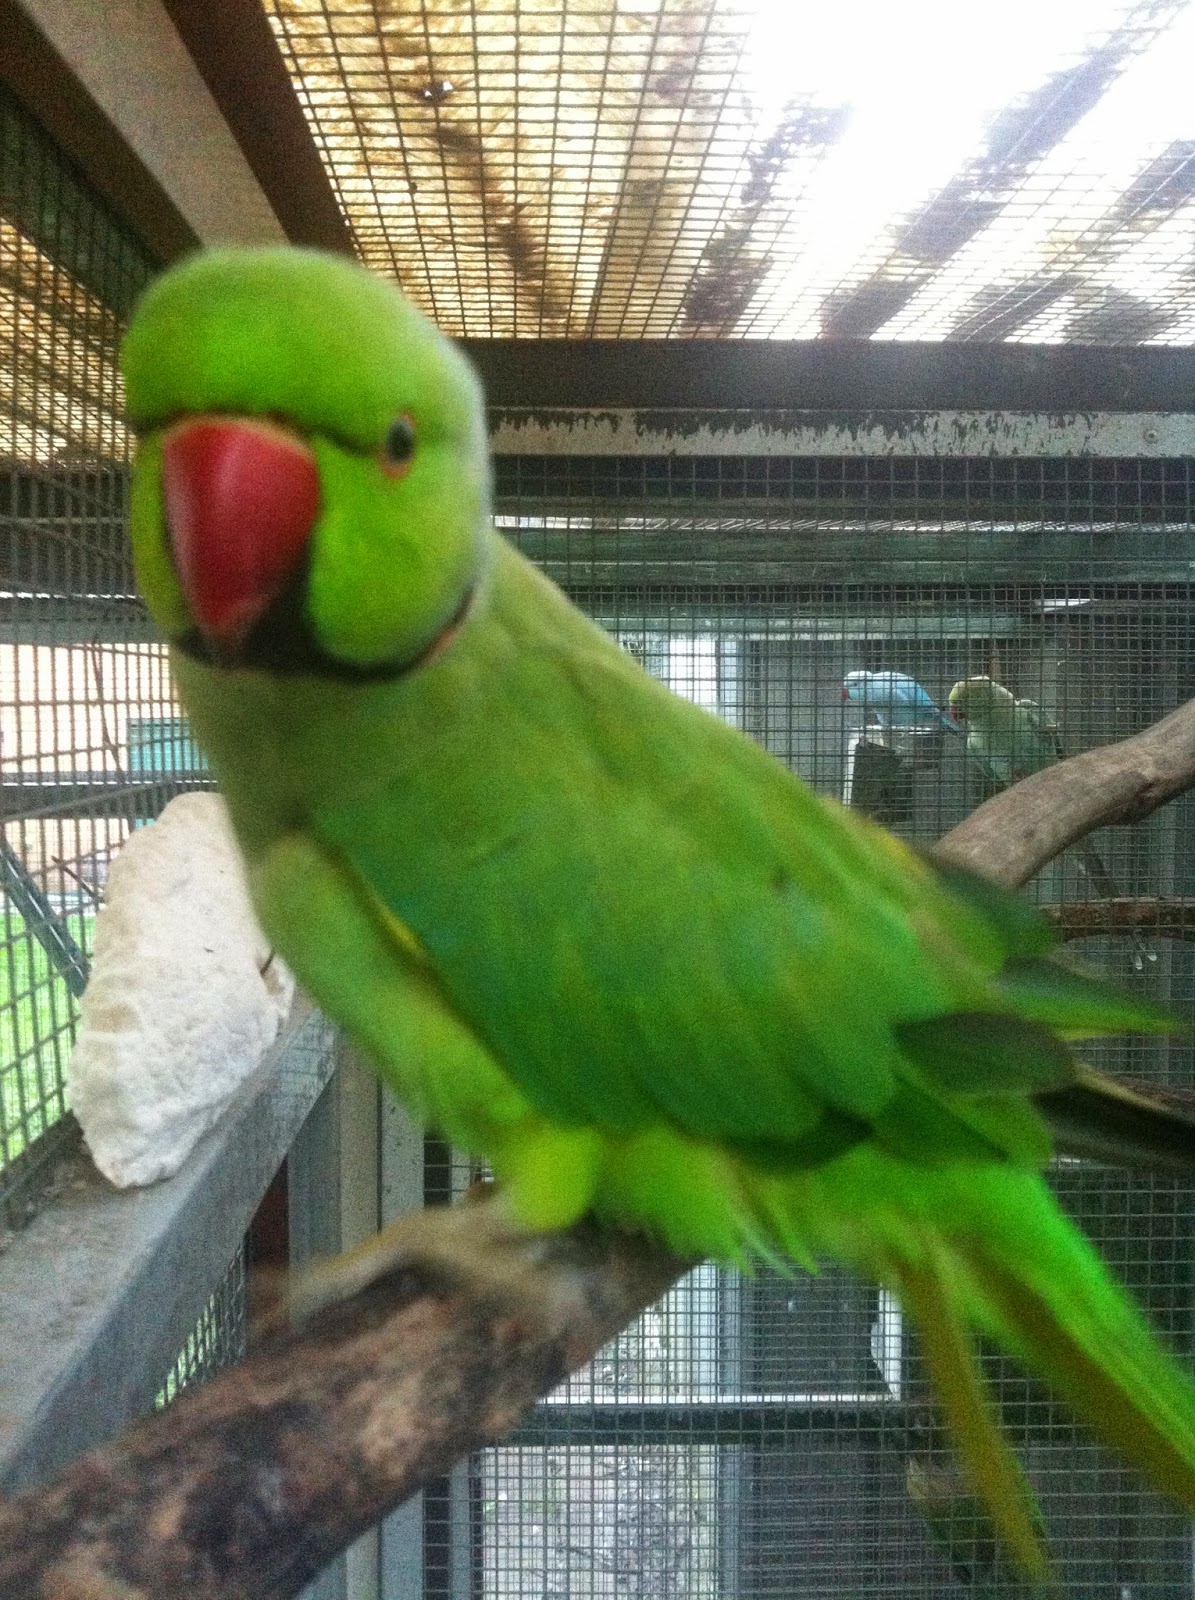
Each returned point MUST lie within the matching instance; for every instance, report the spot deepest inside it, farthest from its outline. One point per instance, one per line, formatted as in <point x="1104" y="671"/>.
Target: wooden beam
<point x="1166" y="918"/>
<point x="234" y="48"/>
<point x="128" y="60"/>
<point x="40" y="80"/>
<point x="852" y="378"/>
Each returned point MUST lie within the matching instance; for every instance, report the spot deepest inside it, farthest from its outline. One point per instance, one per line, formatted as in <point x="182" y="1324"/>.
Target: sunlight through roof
<point x="776" y="169"/>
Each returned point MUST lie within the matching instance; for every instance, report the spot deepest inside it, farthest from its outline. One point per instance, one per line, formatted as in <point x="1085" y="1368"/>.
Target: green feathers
<point x="1009" y="738"/>
<point x="299" y="335"/>
<point x="396" y="547"/>
<point x="585" y="929"/>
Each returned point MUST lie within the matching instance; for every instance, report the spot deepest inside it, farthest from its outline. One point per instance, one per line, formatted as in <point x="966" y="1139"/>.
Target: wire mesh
<point x="752" y="168"/>
<point x="91" y="742"/>
<point x="775" y="1436"/>
<point x="91" y="739"/>
<point x="218" y="1338"/>
<point x="66" y="273"/>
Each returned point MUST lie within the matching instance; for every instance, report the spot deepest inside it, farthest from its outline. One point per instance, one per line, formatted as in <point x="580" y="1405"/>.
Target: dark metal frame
<point x="231" y="43"/>
<point x="99" y="1291"/>
<point x="830" y="375"/>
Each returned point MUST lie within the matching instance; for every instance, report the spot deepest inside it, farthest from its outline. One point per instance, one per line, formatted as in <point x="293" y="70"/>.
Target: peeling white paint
<point x="628" y="432"/>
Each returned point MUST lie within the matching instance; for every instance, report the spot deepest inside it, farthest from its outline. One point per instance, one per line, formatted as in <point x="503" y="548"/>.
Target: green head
<point x="979" y="699"/>
<point x="311" y="490"/>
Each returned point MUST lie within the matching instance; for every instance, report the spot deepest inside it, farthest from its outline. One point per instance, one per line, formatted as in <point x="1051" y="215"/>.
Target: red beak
<point x="241" y="497"/>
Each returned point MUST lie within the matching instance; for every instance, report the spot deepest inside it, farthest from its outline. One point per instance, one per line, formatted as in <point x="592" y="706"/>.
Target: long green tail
<point x="1081" y="1331"/>
<point x="989" y="1252"/>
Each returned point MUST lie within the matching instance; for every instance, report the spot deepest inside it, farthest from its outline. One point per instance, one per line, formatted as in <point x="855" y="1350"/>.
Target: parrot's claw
<point x="476" y="1239"/>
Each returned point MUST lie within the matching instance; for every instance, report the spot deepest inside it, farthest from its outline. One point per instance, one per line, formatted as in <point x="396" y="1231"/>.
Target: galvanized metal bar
<point x="39" y="78"/>
<point x="332" y="1195"/>
<point x="43" y="922"/>
<point x="713" y="1423"/>
<point x="359" y="1215"/>
<point x="313" y="1221"/>
<point x="163" y="111"/>
<point x="233" y="46"/>
<point x="626" y="431"/>
<point x="400" y="1169"/>
<point x="763" y="1421"/>
<point x="95" y="795"/>
<point x="99" y="1291"/>
<point x="462" y="1554"/>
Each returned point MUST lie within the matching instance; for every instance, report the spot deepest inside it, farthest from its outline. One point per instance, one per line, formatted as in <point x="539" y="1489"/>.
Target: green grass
<point x="37" y="1014"/>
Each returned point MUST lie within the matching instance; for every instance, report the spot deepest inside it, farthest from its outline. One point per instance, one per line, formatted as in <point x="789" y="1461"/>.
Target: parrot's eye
<point x="399" y="447"/>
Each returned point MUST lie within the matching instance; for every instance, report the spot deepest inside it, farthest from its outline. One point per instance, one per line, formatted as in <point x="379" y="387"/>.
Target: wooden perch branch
<point x="1015" y="833"/>
<point x="249" y="1485"/>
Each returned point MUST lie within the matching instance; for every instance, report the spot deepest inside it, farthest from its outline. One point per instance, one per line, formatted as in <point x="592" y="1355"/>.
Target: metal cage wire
<point x="767" y="1436"/>
<point x="772" y="1435"/>
<point x="91" y="741"/>
<point x="747" y="168"/>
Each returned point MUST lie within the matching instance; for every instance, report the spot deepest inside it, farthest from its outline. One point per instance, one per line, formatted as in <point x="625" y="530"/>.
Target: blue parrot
<point x="894" y="699"/>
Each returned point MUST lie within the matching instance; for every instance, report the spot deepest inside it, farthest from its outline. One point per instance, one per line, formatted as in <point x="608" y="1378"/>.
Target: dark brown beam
<point x="831" y="375"/>
<point x="232" y="45"/>
<point x="44" y="85"/>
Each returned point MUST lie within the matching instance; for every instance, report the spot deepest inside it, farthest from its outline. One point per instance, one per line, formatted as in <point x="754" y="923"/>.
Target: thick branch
<point x="1014" y="834"/>
<point x="249" y="1485"/>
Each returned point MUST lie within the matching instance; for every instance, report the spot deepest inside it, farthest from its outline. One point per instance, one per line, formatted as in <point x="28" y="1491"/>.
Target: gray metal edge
<point x="629" y="432"/>
<point x="99" y="1292"/>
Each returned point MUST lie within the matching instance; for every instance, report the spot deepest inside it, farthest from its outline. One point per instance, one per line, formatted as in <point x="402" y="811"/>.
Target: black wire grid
<point x="218" y="1339"/>
<point x="773" y="1436"/>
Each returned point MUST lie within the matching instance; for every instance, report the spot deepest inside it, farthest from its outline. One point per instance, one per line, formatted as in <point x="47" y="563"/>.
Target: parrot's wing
<point x="373" y="978"/>
<point x="927" y="708"/>
<point x="654" y="921"/>
<point x="392" y="1004"/>
<point x="1044" y="728"/>
<point x="996" y="765"/>
<point x="896" y="698"/>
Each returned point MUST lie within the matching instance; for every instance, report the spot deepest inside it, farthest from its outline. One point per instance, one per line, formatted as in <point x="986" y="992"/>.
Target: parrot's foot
<point x="481" y="1189"/>
<point x="476" y="1241"/>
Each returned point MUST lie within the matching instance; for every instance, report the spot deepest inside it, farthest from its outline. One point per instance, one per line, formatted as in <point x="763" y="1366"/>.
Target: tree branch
<point x="1015" y="833"/>
<point x="248" y="1486"/>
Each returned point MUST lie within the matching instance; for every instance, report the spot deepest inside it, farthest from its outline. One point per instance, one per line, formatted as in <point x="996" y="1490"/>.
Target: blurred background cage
<point x="766" y="1435"/>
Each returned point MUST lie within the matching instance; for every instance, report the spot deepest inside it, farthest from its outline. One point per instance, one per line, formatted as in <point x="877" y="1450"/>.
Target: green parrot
<point x="585" y="929"/>
<point x="1009" y="739"/>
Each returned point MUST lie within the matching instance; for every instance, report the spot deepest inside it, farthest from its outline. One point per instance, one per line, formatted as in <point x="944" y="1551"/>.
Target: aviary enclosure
<point x="752" y="532"/>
